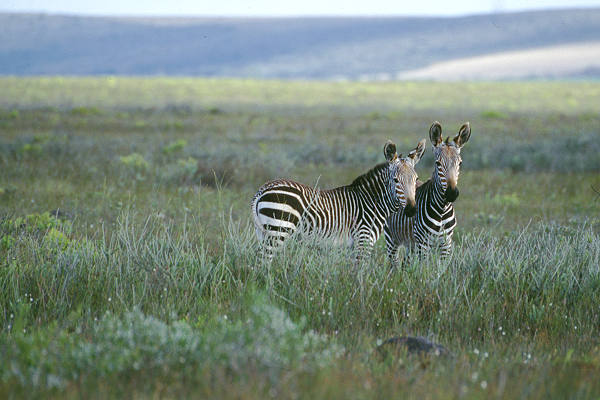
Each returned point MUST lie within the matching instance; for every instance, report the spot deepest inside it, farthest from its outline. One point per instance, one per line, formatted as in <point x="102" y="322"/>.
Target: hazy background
<point x="377" y="40"/>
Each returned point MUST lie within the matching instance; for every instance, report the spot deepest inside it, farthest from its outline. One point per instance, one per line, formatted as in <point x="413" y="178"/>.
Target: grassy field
<point x="148" y="282"/>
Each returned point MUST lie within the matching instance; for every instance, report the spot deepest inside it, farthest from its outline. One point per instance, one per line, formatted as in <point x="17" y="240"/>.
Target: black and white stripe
<point x="356" y="212"/>
<point x="434" y="222"/>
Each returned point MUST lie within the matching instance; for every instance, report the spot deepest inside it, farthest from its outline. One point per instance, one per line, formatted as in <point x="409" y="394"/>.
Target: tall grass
<point x="532" y="290"/>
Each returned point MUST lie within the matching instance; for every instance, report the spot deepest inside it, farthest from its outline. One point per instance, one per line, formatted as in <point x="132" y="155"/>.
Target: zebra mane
<point x="376" y="170"/>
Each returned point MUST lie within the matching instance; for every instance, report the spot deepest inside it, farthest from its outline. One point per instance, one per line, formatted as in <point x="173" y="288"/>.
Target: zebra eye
<point x="396" y="179"/>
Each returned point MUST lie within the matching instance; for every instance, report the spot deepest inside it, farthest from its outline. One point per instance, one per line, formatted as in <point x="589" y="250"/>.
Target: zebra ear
<point x="464" y="133"/>
<point x="389" y="151"/>
<point x="416" y="154"/>
<point x="435" y="133"/>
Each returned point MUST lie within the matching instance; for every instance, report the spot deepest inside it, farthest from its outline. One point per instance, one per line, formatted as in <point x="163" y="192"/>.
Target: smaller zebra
<point x="355" y="213"/>
<point x="434" y="222"/>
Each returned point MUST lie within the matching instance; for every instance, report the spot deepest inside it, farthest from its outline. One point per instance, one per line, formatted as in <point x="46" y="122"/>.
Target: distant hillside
<point x="313" y="48"/>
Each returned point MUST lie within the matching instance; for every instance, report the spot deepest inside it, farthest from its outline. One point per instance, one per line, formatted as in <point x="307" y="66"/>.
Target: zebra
<point x="434" y="222"/>
<point x="354" y="213"/>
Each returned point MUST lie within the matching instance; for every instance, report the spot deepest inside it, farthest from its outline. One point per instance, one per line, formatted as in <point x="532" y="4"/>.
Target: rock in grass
<point x="413" y="345"/>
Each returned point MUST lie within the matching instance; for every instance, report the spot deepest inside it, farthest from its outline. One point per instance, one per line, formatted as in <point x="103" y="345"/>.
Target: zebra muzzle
<point x="410" y="210"/>
<point x="451" y="194"/>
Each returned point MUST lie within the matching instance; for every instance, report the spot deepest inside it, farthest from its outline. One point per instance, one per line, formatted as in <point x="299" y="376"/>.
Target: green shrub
<point x="56" y="240"/>
<point x="175" y="146"/>
<point x="511" y="199"/>
<point x="33" y="149"/>
<point x="35" y="223"/>
<point x="135" y="161"/>
<point x="6" y="242"/>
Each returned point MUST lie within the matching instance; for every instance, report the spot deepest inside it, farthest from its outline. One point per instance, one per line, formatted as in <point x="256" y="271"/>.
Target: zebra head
<point x="447" y="158"/>
<point x="402" y="176"/>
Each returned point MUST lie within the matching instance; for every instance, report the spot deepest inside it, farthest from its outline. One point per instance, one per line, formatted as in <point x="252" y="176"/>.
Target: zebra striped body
<point x="355" y="213"/>
<point x="434" y="222"/>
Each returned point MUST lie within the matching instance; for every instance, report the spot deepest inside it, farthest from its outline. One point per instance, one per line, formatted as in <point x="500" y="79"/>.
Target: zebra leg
<point x="392" y="252"/>
<point x="390" y="245"/>
<point x="270" y="244"/>
<point x="418" y="249"/>
<point x="364" y="247"/>
<point x="406" y="259"/>
<point x="410" y="252"/>
<point x="446" y="248"/>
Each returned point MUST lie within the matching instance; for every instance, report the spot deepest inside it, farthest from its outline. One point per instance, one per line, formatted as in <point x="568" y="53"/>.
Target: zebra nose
<point x="410" y="210"/>
<point x="451" y="194"/>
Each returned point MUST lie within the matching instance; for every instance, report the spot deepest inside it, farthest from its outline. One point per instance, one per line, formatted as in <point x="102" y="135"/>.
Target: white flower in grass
<point x="483" y="384"/>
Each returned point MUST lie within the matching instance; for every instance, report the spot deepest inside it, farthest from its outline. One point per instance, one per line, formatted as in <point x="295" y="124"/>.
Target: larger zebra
<point x="434" y="222"/>
<point x="356" y="212"/>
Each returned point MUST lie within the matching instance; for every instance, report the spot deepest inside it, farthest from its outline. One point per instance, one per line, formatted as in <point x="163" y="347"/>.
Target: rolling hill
<point x="303" y="48"/>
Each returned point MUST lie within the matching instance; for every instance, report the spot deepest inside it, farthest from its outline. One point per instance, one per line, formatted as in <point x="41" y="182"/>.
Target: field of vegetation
<point x="129" y="266"/>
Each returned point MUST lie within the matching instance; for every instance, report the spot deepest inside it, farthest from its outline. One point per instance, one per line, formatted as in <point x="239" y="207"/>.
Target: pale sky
<point x="284" y="8"/>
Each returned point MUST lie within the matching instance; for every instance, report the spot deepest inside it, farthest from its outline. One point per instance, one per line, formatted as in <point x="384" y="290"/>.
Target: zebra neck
<point x="436" y="199"/>
<point x="371" y="185"/>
